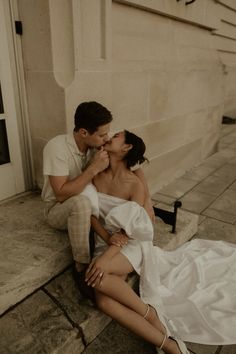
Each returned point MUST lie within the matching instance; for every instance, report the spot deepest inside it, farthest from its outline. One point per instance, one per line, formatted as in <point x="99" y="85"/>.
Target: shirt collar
<point x="71" y="141"/>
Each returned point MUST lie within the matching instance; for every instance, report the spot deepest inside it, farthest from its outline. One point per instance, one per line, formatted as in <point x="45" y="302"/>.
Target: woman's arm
<point x="137" y="192"/>
<point x="118" y="238"/>
<point x="147" y="199"/>
<point x="99" y="229"/>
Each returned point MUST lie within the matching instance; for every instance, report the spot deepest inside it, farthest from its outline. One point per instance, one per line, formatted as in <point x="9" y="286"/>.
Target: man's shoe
<point x="85" y="290"/>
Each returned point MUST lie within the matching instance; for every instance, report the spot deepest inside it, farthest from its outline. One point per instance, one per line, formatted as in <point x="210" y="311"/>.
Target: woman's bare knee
<point x="103" y="302"/>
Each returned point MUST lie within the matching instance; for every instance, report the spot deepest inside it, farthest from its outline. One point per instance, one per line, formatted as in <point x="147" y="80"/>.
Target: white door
<point x="11" y="170"/>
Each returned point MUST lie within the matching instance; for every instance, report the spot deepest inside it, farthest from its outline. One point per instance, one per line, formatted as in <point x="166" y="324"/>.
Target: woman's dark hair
<point x="136" y="154"/>
<point x="90" y="116"/>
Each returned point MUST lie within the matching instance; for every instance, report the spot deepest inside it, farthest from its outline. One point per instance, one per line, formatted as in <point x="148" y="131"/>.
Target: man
<point x="69" y="163"/>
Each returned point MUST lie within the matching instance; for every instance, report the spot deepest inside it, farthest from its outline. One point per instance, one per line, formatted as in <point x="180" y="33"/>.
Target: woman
<point x="188" y="292"/>
<point x="107" y="272"/>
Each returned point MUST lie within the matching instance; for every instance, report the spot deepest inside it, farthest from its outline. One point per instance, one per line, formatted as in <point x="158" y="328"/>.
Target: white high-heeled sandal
<point x="159" y="349"/>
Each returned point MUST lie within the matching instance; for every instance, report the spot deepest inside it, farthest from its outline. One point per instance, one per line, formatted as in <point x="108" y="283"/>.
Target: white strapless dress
<point x="193" y="288"/>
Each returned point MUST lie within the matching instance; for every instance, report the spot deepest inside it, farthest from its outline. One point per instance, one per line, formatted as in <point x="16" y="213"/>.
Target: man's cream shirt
<point x="62" y="157"/>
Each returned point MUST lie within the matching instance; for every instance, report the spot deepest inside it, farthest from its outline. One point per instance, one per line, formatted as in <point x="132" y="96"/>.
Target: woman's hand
<point x="96" y="269"/>
<point x="118" y="239"/>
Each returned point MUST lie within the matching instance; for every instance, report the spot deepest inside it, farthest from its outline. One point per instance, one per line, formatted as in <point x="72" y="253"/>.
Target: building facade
<point x="165" y="68"/>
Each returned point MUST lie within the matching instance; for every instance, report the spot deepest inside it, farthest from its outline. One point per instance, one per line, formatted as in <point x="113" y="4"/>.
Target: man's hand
<point x="96" y="269"/>
<point x="100" y="160"/>
<point x="118" y="239"/>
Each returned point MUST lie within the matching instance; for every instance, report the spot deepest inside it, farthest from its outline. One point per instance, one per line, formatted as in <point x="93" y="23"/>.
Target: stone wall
<point x="156" y="65"/>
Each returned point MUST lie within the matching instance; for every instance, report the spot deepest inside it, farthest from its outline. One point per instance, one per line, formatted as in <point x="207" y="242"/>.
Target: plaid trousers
<point x="73" y="214"/>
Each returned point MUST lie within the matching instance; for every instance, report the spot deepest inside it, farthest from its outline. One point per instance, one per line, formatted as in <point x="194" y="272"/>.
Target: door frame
<point x="16" y="68"/>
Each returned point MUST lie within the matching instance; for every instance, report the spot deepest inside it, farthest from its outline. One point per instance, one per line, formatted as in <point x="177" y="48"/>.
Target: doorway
<point x="11" y="166"/>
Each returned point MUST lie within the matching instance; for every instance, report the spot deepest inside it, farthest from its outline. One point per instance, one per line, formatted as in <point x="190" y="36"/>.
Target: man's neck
<point x="80" y="143"/>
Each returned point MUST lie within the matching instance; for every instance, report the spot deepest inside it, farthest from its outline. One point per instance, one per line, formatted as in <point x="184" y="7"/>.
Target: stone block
<point x="33" y="252"/>
<point x="186" y="228"/>
<point x="228" y="349"/>
<point x="195" y="125"/>
<point x="163" y="169"/>
<point x="46" y="111"/>
<point x="81" y="311"/>
<point x="163" y="135"/>
<point x="226" y="202"/>
<point x="37" y="325"/>
<point x="212" y="185"/>
<point x="161" y="198"/>
<point x="93" y="85"/>
<point x="196" y="202"/>
<point x="209" y="144"/>
<point x="220" y="215"/>
<point x="146" y="42"/>
<point x="178" y="188"/>
<point x="216" y="230"/>
<point x="199" y="173"/>
<point x="129" y="106"/>
<point x="202" y="349"/>
<point x="36" y="40"/>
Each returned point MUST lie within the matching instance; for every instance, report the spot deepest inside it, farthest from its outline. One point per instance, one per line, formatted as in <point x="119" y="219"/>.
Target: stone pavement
<point x="208" y="190"/>
<point x="42" y="310"/>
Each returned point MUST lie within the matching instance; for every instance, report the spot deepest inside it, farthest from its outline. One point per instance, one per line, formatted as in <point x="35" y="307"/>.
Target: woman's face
<point x="116" y="143"/>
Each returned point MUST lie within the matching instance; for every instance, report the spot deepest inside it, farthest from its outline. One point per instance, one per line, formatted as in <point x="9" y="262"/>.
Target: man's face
<point x="100" y="137"/>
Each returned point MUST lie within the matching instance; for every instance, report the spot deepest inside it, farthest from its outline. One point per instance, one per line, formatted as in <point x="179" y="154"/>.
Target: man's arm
<point x="65" y="188"/>
<point x="147" y="199"/>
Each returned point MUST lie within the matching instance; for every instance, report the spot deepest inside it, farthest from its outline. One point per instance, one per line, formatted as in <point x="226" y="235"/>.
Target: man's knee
<point x="81" y="204"/>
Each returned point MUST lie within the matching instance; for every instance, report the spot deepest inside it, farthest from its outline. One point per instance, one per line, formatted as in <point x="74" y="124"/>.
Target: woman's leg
<point x="134" y="322"/>
<point x="117" y="288"/>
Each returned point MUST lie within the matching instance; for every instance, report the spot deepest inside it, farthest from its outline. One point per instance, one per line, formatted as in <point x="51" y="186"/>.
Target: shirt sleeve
<point x="55" y="160"/>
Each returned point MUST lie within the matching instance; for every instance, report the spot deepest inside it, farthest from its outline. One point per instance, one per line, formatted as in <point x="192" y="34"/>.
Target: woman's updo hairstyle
<point x="136" y="154"/>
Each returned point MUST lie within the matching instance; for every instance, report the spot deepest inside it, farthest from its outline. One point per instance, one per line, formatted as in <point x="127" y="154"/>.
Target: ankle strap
<point x="147" y="311"/>
<point x="163" y="342"/>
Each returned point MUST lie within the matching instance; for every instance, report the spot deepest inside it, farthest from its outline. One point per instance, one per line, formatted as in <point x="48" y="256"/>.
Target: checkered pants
<point x="74" y="214"/>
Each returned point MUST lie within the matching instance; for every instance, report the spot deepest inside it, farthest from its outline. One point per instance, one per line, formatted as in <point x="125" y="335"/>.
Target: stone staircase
<point x="41" y="308"/>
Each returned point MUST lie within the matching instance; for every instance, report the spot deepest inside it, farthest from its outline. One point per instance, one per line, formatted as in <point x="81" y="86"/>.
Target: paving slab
<point x="118" y="340"/>
<point x="202" y="349"/>
<point x="211" y="229"/>
<point x="226" y="172"/>
<point x="37" y="325"/>
<point x="226" y="202"/>
<point x="199" y="173"/>
<point x="220" y="215"/>
<point x="196" y="201"/>
<point x="81" y="311"/>
<point x="32" y="251"/>
<point x="213" y="185"/>
<point x="228" y="349"/>
<point x="233" y="186"/>
<point x="158" y="197"/>
<point x="178" y="188"/>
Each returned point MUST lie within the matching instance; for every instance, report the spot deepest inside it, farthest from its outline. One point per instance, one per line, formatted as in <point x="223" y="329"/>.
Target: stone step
<point x="32" y="253"/>
<point x="52" y="317"/>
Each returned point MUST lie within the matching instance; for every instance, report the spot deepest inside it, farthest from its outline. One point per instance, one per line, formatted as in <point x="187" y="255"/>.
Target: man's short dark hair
<point x="90" y="116"/>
